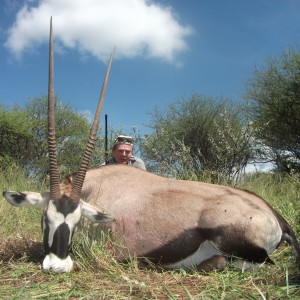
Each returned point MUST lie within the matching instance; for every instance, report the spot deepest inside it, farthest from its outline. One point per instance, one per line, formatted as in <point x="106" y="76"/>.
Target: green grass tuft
<point x="98" y="276"/>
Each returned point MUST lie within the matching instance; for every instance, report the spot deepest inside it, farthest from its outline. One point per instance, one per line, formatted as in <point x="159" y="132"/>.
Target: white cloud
<point x="94" y="27"/>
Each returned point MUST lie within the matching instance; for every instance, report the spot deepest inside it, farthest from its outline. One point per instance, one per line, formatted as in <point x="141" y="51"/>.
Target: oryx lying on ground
<point x="173" y="223"/>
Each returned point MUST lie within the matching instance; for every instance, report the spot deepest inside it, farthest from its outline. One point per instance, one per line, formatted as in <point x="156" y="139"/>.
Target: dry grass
<point x="98" y="276"/>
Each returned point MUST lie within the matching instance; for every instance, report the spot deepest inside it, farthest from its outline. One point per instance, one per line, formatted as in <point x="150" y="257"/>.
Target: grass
<point x="98" y="276"/>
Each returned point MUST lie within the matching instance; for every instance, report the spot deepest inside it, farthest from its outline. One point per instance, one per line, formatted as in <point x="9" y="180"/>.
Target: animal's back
<point x="110" y="184"/>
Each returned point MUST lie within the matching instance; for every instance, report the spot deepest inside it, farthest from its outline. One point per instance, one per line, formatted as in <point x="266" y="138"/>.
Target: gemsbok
<point x="173" y="223"/>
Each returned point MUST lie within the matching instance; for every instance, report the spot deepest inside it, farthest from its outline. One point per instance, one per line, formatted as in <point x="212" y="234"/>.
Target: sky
<point x="166" y="50"/>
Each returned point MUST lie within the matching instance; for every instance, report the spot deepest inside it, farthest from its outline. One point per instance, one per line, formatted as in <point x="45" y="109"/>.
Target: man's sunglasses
<point x="124" y="139"/>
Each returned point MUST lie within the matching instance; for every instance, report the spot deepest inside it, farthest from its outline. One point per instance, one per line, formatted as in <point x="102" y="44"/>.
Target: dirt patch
<point x="23" y="247"/>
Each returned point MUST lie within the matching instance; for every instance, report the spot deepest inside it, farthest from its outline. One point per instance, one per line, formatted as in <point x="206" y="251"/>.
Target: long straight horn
<point x="77" y="187"/>
<point x="54" y="175"/>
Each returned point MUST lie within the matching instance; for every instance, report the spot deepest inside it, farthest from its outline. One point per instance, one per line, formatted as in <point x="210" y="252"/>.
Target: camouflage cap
<point x="123" y="140"/>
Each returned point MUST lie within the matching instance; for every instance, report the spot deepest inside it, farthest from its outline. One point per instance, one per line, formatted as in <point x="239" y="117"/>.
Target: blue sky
<point x="165" y="50"/>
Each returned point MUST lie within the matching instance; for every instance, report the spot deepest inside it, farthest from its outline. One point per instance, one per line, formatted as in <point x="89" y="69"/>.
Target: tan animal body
<point x="183" y="223"/>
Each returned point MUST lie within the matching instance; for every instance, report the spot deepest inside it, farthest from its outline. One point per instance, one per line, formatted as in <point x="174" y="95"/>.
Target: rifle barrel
<point x="106" y="146"/>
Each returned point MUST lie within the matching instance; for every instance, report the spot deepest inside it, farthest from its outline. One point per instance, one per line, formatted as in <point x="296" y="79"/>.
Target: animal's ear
<point x="94" y="214"/>
<point x="27" y="198"/>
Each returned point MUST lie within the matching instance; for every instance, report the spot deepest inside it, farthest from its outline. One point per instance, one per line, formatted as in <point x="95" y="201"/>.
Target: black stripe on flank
<point x="234" y="241"/>
<point x="184" y="246"/>
<point x="228" y="242"/>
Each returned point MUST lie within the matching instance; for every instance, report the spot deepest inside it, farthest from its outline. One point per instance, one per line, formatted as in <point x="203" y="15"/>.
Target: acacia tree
<point x="24" y="137"/>
<point x="273" y="103"/>
<point x="198" y="135"/>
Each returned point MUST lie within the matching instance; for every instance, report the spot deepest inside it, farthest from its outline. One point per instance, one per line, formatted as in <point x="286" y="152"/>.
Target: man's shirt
<point x="133" y="161"/>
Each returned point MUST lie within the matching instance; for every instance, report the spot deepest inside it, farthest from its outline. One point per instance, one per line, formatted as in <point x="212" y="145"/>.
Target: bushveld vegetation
<point x="98" y="276"/>
<point x="199" y="138"/>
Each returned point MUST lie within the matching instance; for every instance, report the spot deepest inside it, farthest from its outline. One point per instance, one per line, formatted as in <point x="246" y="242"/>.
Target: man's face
<point x="122" y="153"/>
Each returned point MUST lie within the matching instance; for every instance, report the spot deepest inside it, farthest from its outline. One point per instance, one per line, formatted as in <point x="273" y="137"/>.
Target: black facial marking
<point x="46" y="230"/>
<point x="65" y="205"/>
<point x="60" y="245"/>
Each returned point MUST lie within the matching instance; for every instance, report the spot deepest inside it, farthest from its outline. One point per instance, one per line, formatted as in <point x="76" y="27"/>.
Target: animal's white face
<point x="59" y="220"/>
<point x="58" y="223"/>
